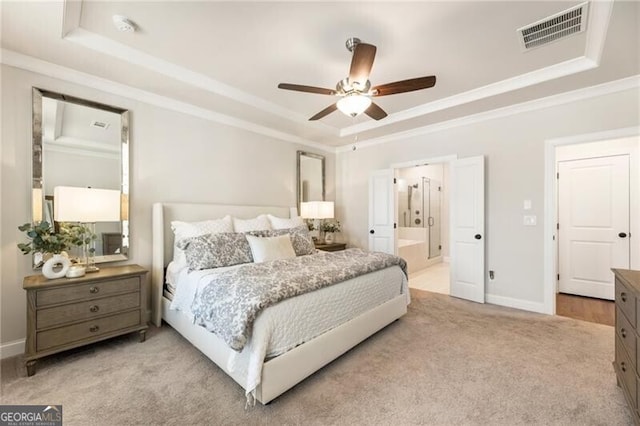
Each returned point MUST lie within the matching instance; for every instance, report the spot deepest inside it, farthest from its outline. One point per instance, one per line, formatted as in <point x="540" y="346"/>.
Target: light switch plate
<point x="529" y="220"/>
<point x="527" y="205"/>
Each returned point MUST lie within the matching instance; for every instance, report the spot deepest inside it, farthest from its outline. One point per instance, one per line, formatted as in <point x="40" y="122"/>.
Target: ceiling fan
<point x="355" y="92"/>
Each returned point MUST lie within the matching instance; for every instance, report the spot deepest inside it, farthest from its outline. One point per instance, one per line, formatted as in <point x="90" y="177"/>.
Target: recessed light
<point x="124" y="24"/>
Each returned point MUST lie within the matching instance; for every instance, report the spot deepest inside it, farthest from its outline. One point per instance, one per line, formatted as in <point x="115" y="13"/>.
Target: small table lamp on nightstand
<point x="317" y="210"/>
<point x="87" y="206"/>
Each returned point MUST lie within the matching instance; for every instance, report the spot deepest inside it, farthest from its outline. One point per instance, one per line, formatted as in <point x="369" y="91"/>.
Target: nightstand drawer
<point x="626" y="301"/>
<point x="84" y="330"/>
<point x="86" y="291"/>
<point x="627" y="372"/>
<point x="49" y="317"/>
<point x="625" y="332"/>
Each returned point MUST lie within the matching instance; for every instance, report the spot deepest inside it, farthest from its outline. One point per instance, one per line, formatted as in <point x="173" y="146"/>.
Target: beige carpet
<point x="446" y="362"/>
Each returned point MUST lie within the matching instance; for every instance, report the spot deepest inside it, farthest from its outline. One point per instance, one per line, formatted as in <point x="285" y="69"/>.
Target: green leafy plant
<point x="333" y="226"/>
<point x="42" y="238"/>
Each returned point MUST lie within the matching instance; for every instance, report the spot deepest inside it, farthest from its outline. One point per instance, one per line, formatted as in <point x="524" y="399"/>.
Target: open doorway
<point x="466" y="242"/>
<point x="422" y="208"/>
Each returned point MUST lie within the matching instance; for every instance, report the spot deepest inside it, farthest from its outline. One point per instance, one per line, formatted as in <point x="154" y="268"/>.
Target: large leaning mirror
<point x="310" y="183"/>
<point x="80" y="144"/>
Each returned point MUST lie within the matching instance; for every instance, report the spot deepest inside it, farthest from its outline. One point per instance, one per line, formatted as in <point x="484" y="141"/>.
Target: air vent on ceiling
<point x="100" y="124"/>
<point x="555" y="27"/>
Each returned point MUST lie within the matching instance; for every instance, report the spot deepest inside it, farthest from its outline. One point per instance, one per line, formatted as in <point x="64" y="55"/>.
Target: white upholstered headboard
<point x="162" y="252"/>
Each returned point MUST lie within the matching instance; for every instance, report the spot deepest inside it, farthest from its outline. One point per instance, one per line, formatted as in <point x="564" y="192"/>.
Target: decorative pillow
<point x="184" y="230"/>
<point x="284" y="223"/>
<point x="260" y="223"/>
<point x="216" y="250"/>
<point x="300" y="239"/>
<point x="264" y="249"/>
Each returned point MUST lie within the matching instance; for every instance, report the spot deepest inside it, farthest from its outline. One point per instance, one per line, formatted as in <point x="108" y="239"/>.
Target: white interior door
<point x="467" y="228"/>
<point x="593" y="224"/>
<point x="382" y="211"/>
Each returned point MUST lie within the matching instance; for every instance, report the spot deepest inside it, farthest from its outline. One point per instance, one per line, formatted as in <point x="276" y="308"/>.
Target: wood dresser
<point x="627" y="336"/>
<point x="69" y="312"/>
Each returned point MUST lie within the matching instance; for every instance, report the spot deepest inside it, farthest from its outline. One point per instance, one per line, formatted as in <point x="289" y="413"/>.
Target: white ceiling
<point x="224" y="60"/>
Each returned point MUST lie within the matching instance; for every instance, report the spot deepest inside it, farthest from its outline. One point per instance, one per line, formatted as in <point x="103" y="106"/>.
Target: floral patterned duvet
<point x="228" y="305"/>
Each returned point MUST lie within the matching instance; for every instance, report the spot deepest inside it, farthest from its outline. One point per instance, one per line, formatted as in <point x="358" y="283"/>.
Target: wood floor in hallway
<point x="585" y="308"/>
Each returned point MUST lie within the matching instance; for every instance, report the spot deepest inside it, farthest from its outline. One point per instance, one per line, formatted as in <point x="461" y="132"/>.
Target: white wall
<point x="513" y="147"/>
<point x="174" y="157"/>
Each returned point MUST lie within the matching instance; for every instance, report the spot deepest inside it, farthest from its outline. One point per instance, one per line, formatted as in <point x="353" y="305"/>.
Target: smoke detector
<point x="124" y="24"/>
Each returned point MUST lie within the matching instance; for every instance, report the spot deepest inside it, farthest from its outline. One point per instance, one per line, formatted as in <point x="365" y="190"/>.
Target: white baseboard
<point x="12" y="348"/>
<point x="525" y="305"/>
<point x="446" y="259"/>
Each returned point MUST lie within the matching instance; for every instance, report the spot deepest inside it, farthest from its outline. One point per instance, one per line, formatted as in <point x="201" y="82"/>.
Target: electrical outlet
<point x="529" y="220"/>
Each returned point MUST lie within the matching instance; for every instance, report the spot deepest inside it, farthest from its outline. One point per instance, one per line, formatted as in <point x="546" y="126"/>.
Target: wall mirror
<point x="310" y="171"/>
<point x="83" y="144"/>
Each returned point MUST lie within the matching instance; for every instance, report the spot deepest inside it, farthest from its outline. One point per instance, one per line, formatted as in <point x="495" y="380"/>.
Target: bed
<point x="277" y="373"/>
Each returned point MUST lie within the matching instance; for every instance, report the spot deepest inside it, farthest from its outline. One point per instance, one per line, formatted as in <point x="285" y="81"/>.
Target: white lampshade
<point x="316" y="210"/>
<point x="87" y="205"/>
<point x="353" y="105"/>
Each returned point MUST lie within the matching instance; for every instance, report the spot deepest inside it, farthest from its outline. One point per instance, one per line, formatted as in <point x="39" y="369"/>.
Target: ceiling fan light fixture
<point x="354" y="105"/>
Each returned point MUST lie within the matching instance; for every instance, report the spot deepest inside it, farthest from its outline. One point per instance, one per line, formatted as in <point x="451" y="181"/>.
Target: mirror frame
<point x="298" y="183"/>
<point x="37" y="182"/>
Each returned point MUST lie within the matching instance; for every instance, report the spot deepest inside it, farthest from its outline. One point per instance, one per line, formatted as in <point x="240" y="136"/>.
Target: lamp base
<point x="90" y="269"/>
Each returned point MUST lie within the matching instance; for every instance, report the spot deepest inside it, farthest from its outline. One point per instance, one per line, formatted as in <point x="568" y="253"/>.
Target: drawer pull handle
<point x="96" y="308"/>
<point x="623" y="296"/>
<point x="96" y="328"/>
<point x="94" y="290"/>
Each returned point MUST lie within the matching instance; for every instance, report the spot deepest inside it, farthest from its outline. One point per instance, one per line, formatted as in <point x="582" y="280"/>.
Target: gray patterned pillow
<point x="216" y="250"/>
<point x="300" y="238"/>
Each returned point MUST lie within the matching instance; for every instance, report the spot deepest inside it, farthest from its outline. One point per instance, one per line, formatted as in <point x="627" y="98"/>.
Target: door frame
<point x="551" y="204"/>
<point x="422" y="162"/>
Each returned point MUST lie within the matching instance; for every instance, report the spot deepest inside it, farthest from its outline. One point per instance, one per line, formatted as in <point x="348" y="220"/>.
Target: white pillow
<point x="260" y="223"/>
<point x="184" y="230"/>
<point x="264" y="249"/>
<point x="284" y="223"/>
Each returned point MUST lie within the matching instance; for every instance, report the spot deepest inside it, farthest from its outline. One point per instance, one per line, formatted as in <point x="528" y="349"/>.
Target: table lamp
<point x="318" y="211"/>
<point x="86" y="206"/>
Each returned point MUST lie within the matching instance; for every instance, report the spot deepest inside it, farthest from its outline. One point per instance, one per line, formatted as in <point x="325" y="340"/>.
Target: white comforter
<point x="294" y="321"/>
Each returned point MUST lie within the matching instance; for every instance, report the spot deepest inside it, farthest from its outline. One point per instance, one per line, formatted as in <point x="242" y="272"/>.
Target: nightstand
<point x="67" y="313"/>
<point x="331" y="246"/>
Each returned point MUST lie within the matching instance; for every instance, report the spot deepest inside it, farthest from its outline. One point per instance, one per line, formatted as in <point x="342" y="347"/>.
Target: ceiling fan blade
<point x="328" y="110"/>
<point x="375" y="112"/>
<point x="307" y="89"/>
<point x="361" y="63"/>
<point x="405" y="86"/>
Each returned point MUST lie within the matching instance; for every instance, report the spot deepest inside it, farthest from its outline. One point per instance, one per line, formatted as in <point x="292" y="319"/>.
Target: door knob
<point x="622" y="235"/>
<point x="477" y="236"/>
<point x="372" y="231"/>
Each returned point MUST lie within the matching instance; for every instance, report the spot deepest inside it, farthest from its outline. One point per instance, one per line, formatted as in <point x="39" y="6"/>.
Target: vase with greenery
<point x="48" y="245"/>
<point x="330" y="228"/>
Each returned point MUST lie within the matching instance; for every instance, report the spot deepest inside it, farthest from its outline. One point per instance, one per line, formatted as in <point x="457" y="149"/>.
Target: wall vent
<point x="100" y="124"/>
<point x="555" y="27"/>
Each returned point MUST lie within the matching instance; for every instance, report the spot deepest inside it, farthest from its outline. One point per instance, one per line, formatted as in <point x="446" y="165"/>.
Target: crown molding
<point x="29" y="63"/>
<point x="562" y="69"/>
<point x="628" y="83"/>
<point x="71" y="145"/>
<point x="137" y="57"/>
<point x="599" y="16"/>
